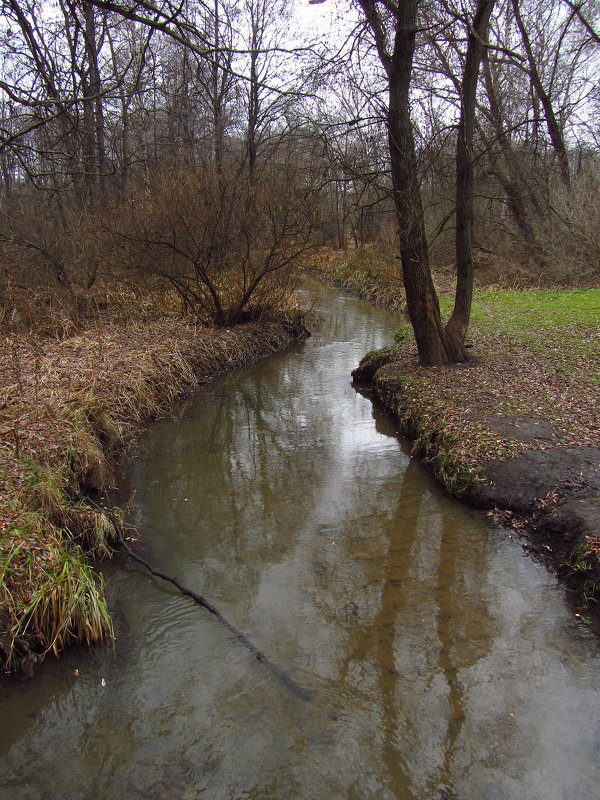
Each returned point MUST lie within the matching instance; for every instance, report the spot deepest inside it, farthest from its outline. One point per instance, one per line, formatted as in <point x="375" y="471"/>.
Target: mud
<point x="523" y="484"/>
<point x="553" y="500"/>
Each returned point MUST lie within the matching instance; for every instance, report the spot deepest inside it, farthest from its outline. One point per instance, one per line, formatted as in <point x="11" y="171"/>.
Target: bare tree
<point x="172" y="228"/>
<point x="456" y="328"/>
<point x="394" y="28"/>
<point x="554" y="129"/>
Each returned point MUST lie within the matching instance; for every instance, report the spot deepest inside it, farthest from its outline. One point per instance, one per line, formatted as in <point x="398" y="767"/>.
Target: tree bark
<point x="456" y="329"/>
<point x="554" y="131"/>
<point x="421" y="297"/>
<point x="521" y="197"/>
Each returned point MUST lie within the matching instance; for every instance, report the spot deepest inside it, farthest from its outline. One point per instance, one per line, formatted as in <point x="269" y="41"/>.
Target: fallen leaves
<point x="521" y="367"/>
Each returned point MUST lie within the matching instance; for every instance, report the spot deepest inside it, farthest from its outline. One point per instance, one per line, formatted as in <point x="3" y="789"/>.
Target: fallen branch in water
<point x="303" y="694"/>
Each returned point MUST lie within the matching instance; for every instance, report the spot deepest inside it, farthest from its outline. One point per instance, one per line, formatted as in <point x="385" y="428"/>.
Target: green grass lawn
<point x="518" y="311"/>
<point x="560" y="328"/>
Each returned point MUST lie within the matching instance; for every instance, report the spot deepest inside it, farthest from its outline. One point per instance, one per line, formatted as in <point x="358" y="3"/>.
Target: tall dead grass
<point x="370" y="272"/>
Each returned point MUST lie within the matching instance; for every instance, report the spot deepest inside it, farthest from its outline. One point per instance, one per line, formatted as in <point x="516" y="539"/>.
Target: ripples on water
<point x="442" y="662"/>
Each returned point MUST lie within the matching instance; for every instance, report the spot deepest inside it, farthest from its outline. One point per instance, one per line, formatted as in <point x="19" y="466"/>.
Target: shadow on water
<point x="442" y="662"/>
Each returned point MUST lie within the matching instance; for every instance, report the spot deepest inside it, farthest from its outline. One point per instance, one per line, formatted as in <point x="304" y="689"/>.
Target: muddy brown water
<point x="442" y="662"/>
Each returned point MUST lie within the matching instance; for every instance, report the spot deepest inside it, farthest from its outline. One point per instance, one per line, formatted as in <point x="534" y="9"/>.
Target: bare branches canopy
<point x="459" y="135"/>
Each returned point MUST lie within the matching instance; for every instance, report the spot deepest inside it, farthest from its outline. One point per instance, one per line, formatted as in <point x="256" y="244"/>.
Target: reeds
<point x="372" y="274"/>
<point x="49" y="596"/>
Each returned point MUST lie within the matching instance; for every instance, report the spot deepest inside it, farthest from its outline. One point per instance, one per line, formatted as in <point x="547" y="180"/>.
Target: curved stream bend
<point x="445" y="663"/>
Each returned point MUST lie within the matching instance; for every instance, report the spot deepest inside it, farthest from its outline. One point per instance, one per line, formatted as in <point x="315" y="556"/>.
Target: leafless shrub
<point x="226" y="244"/>
<point x="572" y="229"/>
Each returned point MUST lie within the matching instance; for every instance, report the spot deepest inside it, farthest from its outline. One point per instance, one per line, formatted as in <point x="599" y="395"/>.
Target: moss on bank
<point x="67" y="407"/>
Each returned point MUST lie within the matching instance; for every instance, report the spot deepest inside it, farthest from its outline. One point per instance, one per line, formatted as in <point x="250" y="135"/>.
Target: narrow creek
<point x="442" y="662"/>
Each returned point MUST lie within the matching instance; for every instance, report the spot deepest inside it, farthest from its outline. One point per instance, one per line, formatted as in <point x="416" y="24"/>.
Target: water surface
<point x="441" y="661"/>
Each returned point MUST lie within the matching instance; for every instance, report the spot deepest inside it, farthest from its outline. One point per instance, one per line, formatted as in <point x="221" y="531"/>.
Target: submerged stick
<point x="288" y="682"/>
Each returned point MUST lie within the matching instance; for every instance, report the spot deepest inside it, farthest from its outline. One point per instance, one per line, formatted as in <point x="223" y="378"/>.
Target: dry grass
<point x="372" y="273"/>
<point x="67" y="405"/>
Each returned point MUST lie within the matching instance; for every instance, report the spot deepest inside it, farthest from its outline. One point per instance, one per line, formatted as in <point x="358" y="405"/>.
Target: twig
<point x="288" y="682"/>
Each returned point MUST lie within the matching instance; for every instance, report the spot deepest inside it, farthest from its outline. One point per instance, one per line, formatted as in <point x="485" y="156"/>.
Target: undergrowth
<point x="584" y="563"/>
<point x="369" y="272"/>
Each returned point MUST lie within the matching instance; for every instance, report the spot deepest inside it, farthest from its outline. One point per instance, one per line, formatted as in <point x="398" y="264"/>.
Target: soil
<point x="552" y="497"/>
<point x="522" y="484"/>
<point x="549" y="495"/>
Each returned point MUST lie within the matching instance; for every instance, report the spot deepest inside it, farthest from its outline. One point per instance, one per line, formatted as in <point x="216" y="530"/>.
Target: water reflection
<point x="444" y="664"/>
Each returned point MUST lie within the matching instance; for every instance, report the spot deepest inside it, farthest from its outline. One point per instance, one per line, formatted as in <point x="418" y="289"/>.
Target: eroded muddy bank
<point x="549" y="494"/>
<point x="552" y="497"/>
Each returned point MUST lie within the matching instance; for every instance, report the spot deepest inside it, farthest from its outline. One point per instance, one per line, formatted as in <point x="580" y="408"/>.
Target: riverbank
<point x="515" y="430"/>
<point x="367" y="272"/>
<point x="68" y="407"/>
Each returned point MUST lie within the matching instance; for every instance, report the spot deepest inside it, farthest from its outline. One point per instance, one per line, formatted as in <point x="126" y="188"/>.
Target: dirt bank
<point x="552" y="498"/>
<point x="543" y="483"/>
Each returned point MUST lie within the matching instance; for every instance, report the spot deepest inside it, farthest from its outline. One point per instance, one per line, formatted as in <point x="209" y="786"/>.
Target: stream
<point x="439" y="661"/>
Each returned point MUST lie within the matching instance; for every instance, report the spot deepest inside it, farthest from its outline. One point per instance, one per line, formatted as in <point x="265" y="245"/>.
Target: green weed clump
<point x="582" y="557"/>
<point x="584" y="564"/>
<point x="49" y="595"/>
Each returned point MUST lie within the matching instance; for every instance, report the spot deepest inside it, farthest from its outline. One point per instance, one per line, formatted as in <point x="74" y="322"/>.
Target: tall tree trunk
<point x="8" y="176"/>
<point x="421" y="297"/>
<point x="253" y="97"/>
<point x="217" y="94"/>
<point x="521" y="197"/>
<point x="124" y="103"/>
<point x="456" y="329"/>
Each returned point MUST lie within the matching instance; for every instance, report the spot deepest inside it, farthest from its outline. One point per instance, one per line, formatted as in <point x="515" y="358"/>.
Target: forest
<point x="205" y="149"/>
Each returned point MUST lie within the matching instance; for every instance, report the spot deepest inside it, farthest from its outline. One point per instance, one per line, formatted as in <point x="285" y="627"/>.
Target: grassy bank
<point x="368" y="272"/>
<point x="67" y="407"/>
<point x="535" y="354"/>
